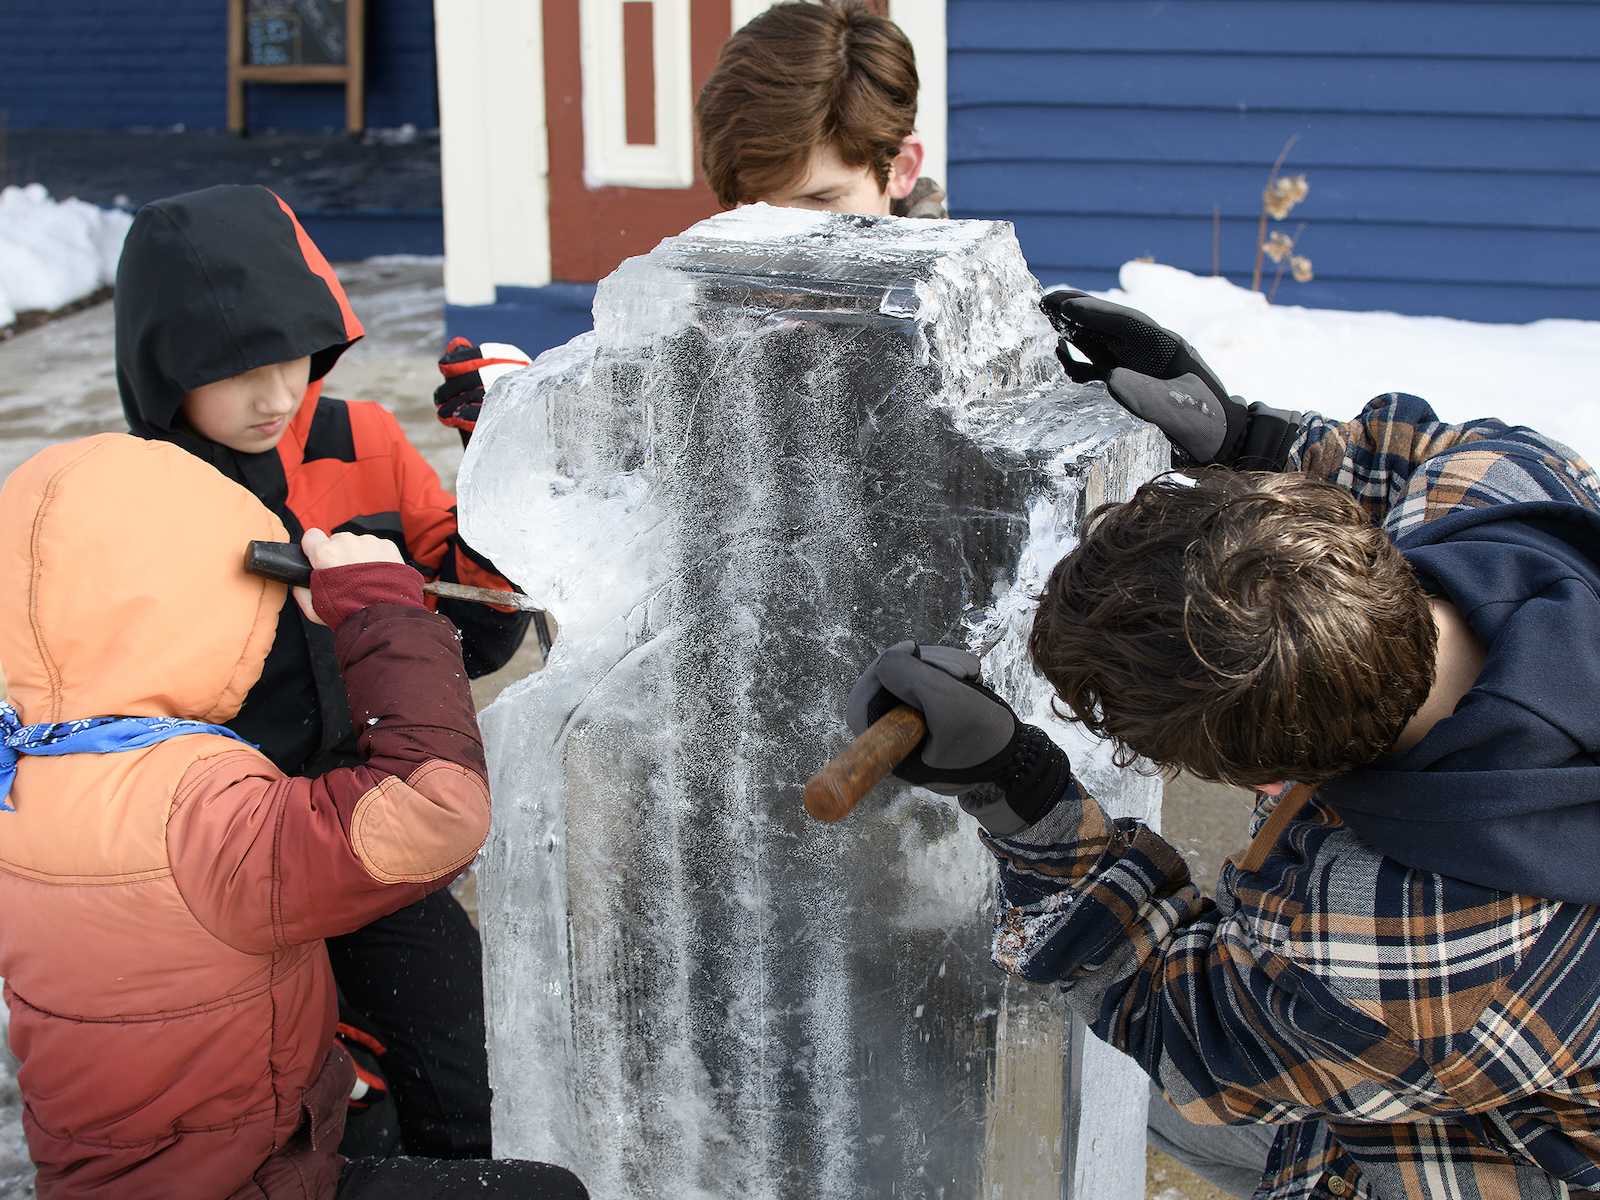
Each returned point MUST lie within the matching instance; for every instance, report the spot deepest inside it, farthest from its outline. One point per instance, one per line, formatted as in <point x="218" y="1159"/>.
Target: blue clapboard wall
<point x="1452" y="148"/>
<point x="119" y="64"/>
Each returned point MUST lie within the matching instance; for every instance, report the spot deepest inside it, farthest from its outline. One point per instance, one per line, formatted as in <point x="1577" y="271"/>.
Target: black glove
<point x="1007" y="773"/>
<point x="1157" y="376"/>
<point x="467" y="371"/>
<point x="1110" y="335"/>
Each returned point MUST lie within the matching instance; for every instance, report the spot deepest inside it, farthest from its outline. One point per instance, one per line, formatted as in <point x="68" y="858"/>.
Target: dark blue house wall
<point x="1452" y="148"/>
<point x="109" y="64"/>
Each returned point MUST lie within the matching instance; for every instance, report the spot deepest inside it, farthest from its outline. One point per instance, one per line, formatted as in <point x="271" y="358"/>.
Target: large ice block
<point x="792" y="439"/>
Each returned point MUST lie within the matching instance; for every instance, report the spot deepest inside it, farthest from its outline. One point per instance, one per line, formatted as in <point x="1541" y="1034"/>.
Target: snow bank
<point x="1540" y="374"/>
<point x="53" y="252"/>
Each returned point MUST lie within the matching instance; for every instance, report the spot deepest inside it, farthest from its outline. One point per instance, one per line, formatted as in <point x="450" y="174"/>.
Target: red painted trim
<point x="639" y="72"/>
<point x="710" y="23"/>
<point x="592" y="230"/>
<point x="319" y="266"/>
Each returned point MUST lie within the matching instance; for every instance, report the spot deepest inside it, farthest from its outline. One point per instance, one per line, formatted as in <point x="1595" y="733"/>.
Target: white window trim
<point x="492" y="146"/>
<point x="923" y="23"/>
<point x="608" y="159"/>
<point x="745" y="10"/>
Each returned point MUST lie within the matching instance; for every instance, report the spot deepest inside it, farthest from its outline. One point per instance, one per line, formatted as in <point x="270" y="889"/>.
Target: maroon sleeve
<point x="265" y="862"/>
<point x="337" y="593"/>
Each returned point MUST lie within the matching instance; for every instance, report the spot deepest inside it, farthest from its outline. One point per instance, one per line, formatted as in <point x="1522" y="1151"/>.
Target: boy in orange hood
<point x="166" y="888"/>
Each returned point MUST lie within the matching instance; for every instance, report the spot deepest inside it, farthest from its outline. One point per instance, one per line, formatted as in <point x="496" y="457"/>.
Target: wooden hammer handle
<point x="839" y="786"/>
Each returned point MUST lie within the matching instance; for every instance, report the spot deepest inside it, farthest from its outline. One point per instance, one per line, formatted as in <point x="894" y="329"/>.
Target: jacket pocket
<point x="308" y="1166"/>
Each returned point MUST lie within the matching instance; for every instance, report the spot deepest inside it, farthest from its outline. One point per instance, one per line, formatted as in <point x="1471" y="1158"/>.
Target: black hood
<point x="1505" y="792"/>
<point x="212" y="284"/>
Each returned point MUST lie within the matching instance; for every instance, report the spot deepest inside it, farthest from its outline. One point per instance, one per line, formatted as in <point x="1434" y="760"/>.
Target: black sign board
<point x="295" y="41"/>
<point x="296" y="33"/>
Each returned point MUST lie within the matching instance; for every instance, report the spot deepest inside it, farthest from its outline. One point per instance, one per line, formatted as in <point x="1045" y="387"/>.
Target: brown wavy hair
<point x="800" y="76"/>
<point x="1247" y="628"/>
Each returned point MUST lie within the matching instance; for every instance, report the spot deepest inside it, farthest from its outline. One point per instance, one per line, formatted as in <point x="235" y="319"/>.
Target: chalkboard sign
<point x="295" y="41"/>
<point x="293" y="34"/>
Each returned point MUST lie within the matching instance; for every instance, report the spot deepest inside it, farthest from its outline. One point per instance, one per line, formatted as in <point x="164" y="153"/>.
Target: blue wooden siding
<point x="1452" y="147"/>
<point x="110" y="64"/>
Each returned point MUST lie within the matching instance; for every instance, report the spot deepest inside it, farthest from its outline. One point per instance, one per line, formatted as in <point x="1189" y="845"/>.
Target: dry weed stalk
<point x="1278" y="199"/>
<point x="1280" y="249"/>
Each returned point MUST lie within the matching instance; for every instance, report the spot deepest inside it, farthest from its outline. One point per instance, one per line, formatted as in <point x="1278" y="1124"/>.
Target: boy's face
<point x="830" y="185"/>
<point x="249" y="412"/>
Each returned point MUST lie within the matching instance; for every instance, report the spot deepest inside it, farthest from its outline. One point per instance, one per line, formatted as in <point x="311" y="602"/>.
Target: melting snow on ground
<point x="53" y="252"/>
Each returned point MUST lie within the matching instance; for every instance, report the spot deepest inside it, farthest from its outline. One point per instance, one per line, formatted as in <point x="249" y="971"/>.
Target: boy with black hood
<point x="1396" y="993"/>
<point x="227" y="320"/>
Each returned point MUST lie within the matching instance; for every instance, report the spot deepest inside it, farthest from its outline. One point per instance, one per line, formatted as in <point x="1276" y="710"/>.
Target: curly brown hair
<point x="1248" y="627"/>
<point x="797" y="77"/>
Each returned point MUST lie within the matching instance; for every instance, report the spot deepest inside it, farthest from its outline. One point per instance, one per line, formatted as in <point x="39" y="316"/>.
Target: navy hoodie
<point x="1505" y="792"/>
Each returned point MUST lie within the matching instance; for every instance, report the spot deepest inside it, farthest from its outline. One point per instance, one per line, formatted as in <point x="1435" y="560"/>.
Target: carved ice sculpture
<point x="793" y="438"/>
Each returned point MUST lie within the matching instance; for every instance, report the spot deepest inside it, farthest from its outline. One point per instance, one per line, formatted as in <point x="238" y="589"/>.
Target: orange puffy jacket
<point x="171" y="1000"/>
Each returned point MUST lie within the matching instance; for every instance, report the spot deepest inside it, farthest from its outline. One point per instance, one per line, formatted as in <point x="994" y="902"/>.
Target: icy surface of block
<point x="793" y="439"/>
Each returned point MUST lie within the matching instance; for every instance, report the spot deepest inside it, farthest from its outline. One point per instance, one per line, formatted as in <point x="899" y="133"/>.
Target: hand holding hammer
<point x="287" y="563"/>
<point x="923" y="712"/>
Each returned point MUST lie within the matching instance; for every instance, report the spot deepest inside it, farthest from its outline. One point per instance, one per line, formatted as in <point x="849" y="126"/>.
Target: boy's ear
<point x="907" y="166"/>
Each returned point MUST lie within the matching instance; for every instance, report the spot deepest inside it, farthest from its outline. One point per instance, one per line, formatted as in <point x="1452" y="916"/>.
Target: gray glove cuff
<point x="988" y="803"/>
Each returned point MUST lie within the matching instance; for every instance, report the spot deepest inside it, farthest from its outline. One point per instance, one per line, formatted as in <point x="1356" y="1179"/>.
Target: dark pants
<point x="416" y="978"/>
<point x="430" y="1179"/>
<point x="1232" y="1158"/>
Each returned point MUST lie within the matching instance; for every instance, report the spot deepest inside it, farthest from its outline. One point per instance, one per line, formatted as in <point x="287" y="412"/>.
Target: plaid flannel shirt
<point x="1412" y="1034"/>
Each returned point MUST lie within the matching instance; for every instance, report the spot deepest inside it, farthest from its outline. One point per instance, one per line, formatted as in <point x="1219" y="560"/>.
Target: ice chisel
<point x="287" y="563"/>
<point x="833" y="791"/>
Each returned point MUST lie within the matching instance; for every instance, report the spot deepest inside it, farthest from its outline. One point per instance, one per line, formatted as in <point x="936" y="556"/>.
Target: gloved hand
<point x="1110" y="335"/>
<point x="468" y="372"/>
<point x="1008" y="774"/>
<point x="1157" y="376"/>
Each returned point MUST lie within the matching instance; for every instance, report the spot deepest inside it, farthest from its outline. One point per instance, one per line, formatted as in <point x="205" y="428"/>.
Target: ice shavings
<point x="1020" y="929"/>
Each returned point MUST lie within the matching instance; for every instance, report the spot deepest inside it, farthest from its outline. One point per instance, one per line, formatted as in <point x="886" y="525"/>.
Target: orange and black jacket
<point x="221" y="281"/>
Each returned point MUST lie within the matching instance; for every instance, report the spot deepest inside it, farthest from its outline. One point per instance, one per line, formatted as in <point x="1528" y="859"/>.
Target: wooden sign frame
<point x="351" y="73"/>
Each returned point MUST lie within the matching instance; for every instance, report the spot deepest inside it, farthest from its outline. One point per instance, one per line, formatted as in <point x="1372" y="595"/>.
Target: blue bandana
<point x="95" y="735"/>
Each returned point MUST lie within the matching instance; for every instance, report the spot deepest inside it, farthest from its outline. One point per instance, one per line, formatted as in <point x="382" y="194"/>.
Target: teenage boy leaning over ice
<point x="1397" y="990"/>
<point x="166" y="888"/>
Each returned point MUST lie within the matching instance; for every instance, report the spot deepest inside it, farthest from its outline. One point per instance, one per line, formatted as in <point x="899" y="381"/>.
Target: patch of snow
<point x="53" y="252"/>
<point x="1332" y="362"/>
<point x="394" y="259"/>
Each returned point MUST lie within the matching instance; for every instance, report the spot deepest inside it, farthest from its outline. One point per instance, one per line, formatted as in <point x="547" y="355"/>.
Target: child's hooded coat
<point x="171" y="1001"/>
<point x="218" y="282"/>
